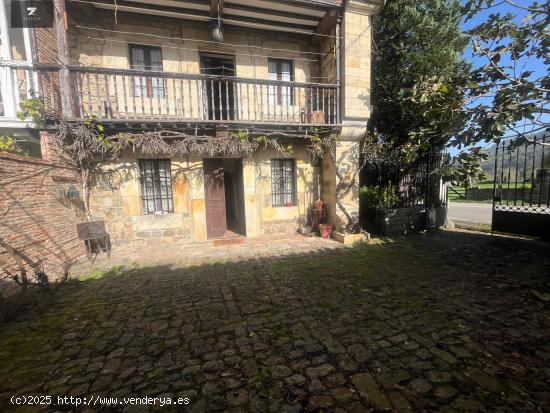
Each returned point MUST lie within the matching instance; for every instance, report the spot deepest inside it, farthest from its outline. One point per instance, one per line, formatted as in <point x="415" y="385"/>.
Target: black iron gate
<point x="521" y="191"/>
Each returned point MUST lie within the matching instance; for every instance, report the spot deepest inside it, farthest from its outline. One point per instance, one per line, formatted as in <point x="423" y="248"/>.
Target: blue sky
<point x="503" y="9"/>
<point x="536" y="66"/>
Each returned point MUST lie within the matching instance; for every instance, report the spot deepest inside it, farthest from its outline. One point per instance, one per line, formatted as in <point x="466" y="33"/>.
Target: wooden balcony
<point x="20" y="81"/>
<point x="118" y="95"/>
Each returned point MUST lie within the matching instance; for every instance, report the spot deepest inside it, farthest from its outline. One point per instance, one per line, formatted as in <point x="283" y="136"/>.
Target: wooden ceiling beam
<point x="152" y="7"/>
<point x="328" y="22"/>
<point x="310" y="4"/>
<point x="235" y="20"/>
<point x="260" y="10"/>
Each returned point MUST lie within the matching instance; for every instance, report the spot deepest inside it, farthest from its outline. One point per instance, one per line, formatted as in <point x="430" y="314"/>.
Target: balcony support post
<point x="337" y="48"/>
<point x="66" y="92"/>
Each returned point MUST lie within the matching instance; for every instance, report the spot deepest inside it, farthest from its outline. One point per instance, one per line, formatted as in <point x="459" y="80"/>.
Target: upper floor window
<point x="147" y="58"/>
<point x="156" y="186"/>
<point x="283" y="182"/>
<point x="280" y="69"/>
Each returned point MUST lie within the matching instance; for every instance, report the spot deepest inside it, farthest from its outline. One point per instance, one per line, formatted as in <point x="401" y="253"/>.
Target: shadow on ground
<point x="441" y="322"/>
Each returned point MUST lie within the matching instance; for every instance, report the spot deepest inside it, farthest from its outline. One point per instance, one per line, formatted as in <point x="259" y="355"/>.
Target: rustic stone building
<point x="213" y="68"/>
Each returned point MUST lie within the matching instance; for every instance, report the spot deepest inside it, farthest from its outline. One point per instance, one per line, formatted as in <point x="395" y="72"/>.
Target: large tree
<point x="509" y="94"/>
<point x="419" y="73"/>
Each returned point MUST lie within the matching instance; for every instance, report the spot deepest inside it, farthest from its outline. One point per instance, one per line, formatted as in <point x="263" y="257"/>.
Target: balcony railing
<point x="132" y="95"/>
<point x="20" y="81"/>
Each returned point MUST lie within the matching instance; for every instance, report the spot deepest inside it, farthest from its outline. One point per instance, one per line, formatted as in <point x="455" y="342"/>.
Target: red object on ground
<point x="325" y="230"/>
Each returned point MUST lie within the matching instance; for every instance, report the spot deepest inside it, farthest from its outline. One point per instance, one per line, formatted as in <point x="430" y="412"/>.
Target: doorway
<point x="219" y="91"/>
<point x="224" y="197"/>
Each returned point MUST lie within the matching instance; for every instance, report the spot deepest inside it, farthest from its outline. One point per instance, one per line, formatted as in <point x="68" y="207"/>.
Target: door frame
<point x="239" y="193"/>
<point x="212" y="110"/>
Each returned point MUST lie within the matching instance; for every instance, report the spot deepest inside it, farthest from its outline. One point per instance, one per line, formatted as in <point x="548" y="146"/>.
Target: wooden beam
<point x="310" y="4"/>
<point x="236" y="20"/>
<point x="171" y="9"/>
<point x="271" y="12"/>
<point x="66" y="91"/>
<point x="328" y="22"/>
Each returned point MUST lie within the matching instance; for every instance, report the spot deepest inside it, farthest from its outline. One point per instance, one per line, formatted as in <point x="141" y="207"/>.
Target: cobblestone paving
<point x="207" y="253"/>
<point x="441" y="322"/>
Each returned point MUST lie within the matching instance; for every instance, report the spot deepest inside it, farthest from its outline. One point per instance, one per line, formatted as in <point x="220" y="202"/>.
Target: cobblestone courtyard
<point x="441" y="322"/>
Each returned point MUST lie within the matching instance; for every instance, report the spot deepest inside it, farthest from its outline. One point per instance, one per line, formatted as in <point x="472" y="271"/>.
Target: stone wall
<point x="509" y="194"/>
<point x="478" y="194"/>
<point x="36" y="222"/>
<point x="357" y="61"/>
<point x="269" y="219"/>
<point x="401" y="221"/>
<point x="116" y="200"/>
<point x="181" y="42"/>
<point x="346" y="159"/>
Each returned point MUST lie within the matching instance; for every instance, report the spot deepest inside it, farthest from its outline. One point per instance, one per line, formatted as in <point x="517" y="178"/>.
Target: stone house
<point x="210" y="68"/>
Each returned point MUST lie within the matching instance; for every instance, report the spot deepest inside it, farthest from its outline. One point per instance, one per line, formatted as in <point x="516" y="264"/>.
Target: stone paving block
<point x="368" y="389"/>
<point x="401" y="326"/>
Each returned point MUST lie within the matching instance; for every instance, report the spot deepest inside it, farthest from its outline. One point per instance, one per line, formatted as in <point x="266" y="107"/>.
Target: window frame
<point x="279" y="88"/>
<point x="278" y="183"/>
<point x="152" y="92"/>
<point x="158" y="183"/>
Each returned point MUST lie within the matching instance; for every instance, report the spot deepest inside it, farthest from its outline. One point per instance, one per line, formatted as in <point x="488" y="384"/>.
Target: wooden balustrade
<point x="128" y="95"/>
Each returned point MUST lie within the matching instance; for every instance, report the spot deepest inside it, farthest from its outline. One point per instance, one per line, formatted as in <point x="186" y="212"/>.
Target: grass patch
<point x="473" y="227"/>
<point x="99" y="274"/>
<point x="505" y="185"/>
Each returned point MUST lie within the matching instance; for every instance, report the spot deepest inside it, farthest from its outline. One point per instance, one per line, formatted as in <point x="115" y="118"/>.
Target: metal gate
<point x="521" y="191"/>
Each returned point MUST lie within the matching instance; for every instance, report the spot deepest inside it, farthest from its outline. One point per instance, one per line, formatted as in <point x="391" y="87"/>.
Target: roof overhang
<point x="292" y="16"/>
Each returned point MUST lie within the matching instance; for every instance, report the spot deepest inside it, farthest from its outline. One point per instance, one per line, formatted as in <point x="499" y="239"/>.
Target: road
<point x="470" y="213"/>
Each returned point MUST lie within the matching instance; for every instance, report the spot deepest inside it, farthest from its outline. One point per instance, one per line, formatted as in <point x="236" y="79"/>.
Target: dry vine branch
<point x="82" y="145"/>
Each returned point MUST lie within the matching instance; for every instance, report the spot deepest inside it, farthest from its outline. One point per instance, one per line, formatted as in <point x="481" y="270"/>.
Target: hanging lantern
<point x="217" y="34"/>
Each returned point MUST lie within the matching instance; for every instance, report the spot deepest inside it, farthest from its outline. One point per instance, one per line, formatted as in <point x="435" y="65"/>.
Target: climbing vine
<point x="84" y="145"/>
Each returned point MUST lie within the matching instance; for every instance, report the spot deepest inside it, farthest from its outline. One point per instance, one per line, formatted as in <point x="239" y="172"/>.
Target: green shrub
<point x="374" y="197"/>
<point x="7" y="144"/>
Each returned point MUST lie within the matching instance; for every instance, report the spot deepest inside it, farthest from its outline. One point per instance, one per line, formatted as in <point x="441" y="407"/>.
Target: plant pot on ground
<point x="325" y="230"/>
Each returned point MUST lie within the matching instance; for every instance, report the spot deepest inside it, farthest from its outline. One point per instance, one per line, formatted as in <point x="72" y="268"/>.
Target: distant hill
<point x="518" y="160"/>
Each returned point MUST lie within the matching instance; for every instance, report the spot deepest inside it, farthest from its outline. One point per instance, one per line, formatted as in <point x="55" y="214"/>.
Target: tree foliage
<point x="8" y="144"/>
<point x="466" y="168"/>
<point x="509" y="94"/>
<point x="419" y="74"/>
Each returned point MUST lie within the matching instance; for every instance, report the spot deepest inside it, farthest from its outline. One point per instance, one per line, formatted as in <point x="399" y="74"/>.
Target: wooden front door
<point x="214" y="195"/>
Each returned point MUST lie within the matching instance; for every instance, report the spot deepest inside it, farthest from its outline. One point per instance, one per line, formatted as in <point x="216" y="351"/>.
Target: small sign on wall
<point x="67" y="192"/>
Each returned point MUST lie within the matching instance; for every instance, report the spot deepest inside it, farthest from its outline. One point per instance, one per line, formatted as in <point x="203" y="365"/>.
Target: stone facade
<point x="109" y="48"/>
<point x="115" y="195"/>
<point x="115" y="198"/>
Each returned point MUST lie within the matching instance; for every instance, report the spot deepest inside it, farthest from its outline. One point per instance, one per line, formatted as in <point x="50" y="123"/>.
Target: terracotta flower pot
<point x="325" y="230"/>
